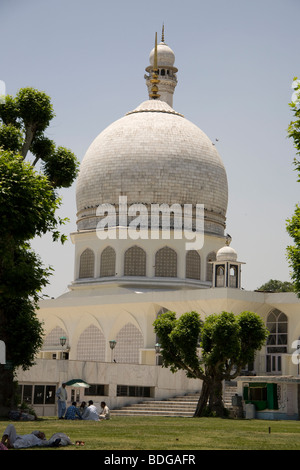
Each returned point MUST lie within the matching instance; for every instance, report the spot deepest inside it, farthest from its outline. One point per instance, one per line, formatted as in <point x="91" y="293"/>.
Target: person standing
<point x="62" y="396"/>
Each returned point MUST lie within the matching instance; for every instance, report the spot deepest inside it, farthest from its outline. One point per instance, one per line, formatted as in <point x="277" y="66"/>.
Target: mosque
<point x="152" y="196"/>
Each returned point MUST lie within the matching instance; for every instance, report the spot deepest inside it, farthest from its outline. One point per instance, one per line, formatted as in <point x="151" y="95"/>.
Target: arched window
<point x="87" y="264"/>
<point x="233" y="276"/>
<point x="129" y="342"/>
<point x="135" y="262"/>
<point x="166" y="262"/>
<point x="209" y="267"/>
<point x="159" y="313"/>
<point x="91" y="345"/>
<point x="193" y="265"/>
<point x="108" y="262"/>
<point x="277" y="324"/>
<point x="220" y="276"/>
<point x="52" y="340"/>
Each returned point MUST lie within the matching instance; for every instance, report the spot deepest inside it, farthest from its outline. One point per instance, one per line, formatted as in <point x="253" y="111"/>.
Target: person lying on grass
<point x="12" y="440"/>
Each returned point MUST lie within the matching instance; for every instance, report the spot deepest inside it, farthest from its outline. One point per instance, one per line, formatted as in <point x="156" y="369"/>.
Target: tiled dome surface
<point x="151" y="155"/>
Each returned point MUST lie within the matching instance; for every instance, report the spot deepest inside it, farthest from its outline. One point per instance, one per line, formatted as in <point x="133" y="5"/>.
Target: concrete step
<point x="129" y="412"/>
<point x="229" y="392"/>
<point x="162" y="407"/>
<point x="183" y="405"/>
<point x="177" y="406"/>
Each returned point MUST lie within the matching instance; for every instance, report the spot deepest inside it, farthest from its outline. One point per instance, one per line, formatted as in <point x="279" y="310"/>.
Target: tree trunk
<point x="202" y="402"/>
<point x="211" y="399"/>
<point x="216" y="405"/>
<point x="7" y="390"/>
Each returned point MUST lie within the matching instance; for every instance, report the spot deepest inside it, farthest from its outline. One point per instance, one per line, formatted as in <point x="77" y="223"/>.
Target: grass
<point x="172" y="434"/>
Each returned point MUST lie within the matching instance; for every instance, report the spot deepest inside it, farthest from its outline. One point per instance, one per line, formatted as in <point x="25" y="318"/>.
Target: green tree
<point x="293" y="224"/>
<point x="28" y="204"/>
<point x="212" y="350"/>
<point x="277" y="286"/>
<point x="23" y="122"/>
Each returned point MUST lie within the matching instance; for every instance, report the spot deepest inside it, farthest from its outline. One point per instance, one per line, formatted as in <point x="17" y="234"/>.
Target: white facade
<point x="90" y="317"/>
<point x="153" y="155"/>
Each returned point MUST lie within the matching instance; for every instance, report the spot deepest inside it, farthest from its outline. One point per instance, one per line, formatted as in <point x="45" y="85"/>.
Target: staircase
<point x="177" y="406"/>
<point x="229" y="391"/>
<point x="183" y="405"/>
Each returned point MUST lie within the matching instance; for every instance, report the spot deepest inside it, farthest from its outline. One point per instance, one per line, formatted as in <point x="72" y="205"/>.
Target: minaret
<point x="162" y="68"/>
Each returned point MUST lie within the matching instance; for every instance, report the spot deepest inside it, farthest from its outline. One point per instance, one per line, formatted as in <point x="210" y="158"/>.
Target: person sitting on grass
<point x="105" y="414"/>
<point x="73" y="412"/>
<point x="90" y="412"/>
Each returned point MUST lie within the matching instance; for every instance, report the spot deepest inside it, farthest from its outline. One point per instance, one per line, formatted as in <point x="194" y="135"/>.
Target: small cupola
<point x="226" y="267"/>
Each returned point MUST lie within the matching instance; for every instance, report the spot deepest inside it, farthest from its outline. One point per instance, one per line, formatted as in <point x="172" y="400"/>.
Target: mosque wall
<point x="116" y="381"/>
<point x="90" y="320"/>
<point x="91" y="261"/>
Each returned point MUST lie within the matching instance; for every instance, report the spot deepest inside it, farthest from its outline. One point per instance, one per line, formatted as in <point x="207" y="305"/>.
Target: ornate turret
<point x="162" y="60"/>
<point x="226" y="268"/>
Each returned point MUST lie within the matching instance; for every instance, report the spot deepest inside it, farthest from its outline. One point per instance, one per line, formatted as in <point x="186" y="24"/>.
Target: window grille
<point x="108" y="262"/>
<point x="87" y="263"/>
<point x="166" y="262"/>
<point x="135" y="262"/>
<point x="193" y="265"/>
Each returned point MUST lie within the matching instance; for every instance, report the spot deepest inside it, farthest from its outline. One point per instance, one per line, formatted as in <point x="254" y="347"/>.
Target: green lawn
<point x="159" y="433"/>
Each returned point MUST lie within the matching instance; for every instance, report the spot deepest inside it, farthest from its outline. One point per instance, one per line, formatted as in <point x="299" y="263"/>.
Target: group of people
<point x="88" y="412"/>
<point x="10" y="438"/>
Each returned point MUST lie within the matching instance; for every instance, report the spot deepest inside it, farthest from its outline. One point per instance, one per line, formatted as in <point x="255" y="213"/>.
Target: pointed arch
<point x="209" y="267"/>
<point x="129" y="343"/>
<point x="135" y="262"/>
<point x="159" y="313"/>
<point x="277" y="342"/>
<point x="91" y="345"/>
<point x="108" y="262"/>
<point x="192" y="265"/>
<point x="277" y="324"/>
<point x="87" y="264"/>
<point x="166" y="262"/>
<point x="52" y="339"/>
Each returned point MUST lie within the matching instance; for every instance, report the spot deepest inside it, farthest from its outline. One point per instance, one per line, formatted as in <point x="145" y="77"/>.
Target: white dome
<point x="152" y="155"/>
<point x="226" y="254"/>
<point x="165" y="56"/>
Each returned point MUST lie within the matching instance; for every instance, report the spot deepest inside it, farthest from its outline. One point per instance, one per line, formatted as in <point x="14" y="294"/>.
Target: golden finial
<point x="154" y="80"/>
<point x="163" y="33"/>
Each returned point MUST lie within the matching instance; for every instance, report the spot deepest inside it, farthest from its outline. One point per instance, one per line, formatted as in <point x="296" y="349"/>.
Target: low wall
<point x="163" y="383"/>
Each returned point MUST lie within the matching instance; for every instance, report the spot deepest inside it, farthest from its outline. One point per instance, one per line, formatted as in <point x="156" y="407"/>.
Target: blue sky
<point x="236" y="60"/>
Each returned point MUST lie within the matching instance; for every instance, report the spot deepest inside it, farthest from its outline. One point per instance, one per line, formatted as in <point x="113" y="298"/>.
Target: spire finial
<point x="163" y="33"/>
<point x="155" y="55"/>
<point x="228" y="239"/>
<point x="154" y="80"/>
